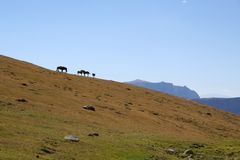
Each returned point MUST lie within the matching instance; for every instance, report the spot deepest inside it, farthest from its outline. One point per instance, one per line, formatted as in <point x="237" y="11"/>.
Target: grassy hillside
<point x="38" y="107"/>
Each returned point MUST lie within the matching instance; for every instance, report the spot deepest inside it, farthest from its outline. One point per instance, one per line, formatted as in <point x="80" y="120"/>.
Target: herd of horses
<point x="81" y="72"/>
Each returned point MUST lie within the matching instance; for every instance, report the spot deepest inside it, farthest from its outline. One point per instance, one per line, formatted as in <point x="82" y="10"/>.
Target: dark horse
<point x="81" y="72"/>
<point x="86" y="73"/>
<point x="61" y="69"/>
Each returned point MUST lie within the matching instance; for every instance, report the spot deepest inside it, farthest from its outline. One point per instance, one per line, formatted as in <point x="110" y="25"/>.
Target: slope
<point x="38" y="107"/>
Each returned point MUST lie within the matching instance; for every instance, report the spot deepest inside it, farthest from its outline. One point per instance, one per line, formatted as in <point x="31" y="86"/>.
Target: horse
<point x="81" y="72"/>
<point x="62" y="69"/>
<point x="86" y="73"/>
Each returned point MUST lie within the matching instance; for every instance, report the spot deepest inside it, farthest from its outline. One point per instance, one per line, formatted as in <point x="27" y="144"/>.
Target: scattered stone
<point x="89" y="107"/>
<point x="22" y="100"/>
<point x="127" y="104"/>
<point x="93" y="135"/>
<point x="188" y="152"/>
<point x="48" y="150"/>
<point x="196" y="145"/>
<point x="155" y="113"/>
<point x="171" y="151"/>
<point x="24" y="84"/>
<point x="209" y="114"/>
<point x="71" y="138"/>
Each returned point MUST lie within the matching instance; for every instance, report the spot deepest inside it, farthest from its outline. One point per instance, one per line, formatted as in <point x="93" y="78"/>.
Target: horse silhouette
<point x="61" y="69"/>
<point x="81" y="72"/>
<point x="86" y="73"/>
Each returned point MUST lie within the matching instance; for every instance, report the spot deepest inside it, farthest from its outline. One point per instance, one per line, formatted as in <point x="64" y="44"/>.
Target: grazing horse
<point x="93" y="74"/>
<point x="81" y="72"/>
<point x="62" y="69"/>
<point x="86" y="73"/>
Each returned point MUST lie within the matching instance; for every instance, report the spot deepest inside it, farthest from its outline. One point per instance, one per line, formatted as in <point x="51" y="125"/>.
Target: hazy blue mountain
<point x="226" y="104"/>
<point x="180" y="91"/>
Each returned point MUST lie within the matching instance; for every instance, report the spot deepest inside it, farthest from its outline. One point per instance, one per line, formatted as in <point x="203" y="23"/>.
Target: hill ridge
<point x="38" y="107"/>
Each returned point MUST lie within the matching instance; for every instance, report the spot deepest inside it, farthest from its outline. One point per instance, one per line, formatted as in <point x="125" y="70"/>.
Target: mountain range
<point x="226" y="104"/>
<point x="169" y="88"/>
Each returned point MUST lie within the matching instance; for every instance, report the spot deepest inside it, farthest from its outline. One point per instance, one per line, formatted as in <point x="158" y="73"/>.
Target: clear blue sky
<point x="194" y="43"/>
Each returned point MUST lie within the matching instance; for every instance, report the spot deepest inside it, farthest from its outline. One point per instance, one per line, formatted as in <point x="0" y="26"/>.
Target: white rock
<point x="72" y="138"/>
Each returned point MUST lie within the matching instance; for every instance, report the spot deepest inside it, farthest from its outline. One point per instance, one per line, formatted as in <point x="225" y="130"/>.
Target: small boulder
<point x="21" y="100"/>
<point x="47" y="150"/>
<point x="197" y="145"/>
<point x="171" y="151"/>
<point x="188" y="152"/>
<point x="209" y="114"/>
<point x="89" y="107"/>
<point x="24" y="84"/>
<point x="93" y="134"/>
<point x="71" y="138"/>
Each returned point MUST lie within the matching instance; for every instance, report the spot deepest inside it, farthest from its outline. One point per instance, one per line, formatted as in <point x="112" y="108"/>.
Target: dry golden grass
<point x="54" y="109"/>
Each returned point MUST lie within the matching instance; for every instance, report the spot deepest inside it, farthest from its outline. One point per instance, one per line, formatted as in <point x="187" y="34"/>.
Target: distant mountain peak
<point x="166" y="87"/>
<point x="138" y="81"/>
